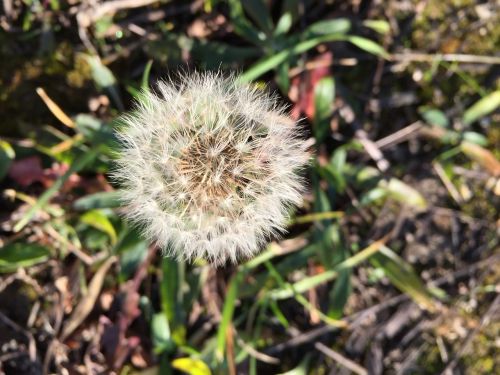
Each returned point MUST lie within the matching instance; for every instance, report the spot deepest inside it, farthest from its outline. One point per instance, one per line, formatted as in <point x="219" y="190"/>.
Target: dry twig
<point x="340" y="359"/>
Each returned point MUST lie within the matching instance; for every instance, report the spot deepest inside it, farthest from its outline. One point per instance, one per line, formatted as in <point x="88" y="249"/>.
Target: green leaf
<point x="54" y="4"/>
<point x="98" y="220"/>
<point x="242" y="26"/>
<point x="324" y="97"/>
<point x="102" y="76"/>
<point x="88" y="124"/>
<point x="15" y="255"/>
<point x="171" y="298"/>
<point x="104" y="79"/>
<point x="132" y="250"/>
<point x="434" y="116"/>
<point x="477" y="138"/>
<point x="482" y="108"/>
<point x="321" y="201"/>
<point x="284" y="24"/>
<point x="77" y="165"/>
<point x="380" y="26"/>
<point x="323" y="234"/>
<point x="342" y="287"/>
<point x="338" y="159"/>
<point x="162" y="341"/>
<point x="336" y="26"/>
<point x="103" y="199"/>
<point x="191" y="366"/>
<point x="368" y="45"/>
<point x="365" y="176"/>
<point x="334" y="171"/>
<point x="373" y="195"/>
<point x="212" y="54"/>
<point x="402" y="275"/>
<point x="340" y="294"/>
<point x="282" y="77"/>
<point x="291" y="7"/>
<point x="96" y="132"/>
<point x="403" y="193"/>
<point x="259" y="12"/>
<point x="7" y="154"/>
<point x="327" y="239"/>
<point x="170" y="287"/>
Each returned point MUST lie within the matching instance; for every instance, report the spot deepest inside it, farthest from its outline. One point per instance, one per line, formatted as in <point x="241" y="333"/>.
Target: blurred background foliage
<point x="390" y="266"/>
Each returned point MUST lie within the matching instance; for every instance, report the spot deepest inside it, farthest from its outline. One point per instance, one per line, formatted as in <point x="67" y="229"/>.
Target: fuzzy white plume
<point x="209" y="167"/>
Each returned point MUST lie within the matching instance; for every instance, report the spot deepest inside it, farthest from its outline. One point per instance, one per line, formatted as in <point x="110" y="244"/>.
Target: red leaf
<point x="302" y="87"/>
<point x="27" y="171"/>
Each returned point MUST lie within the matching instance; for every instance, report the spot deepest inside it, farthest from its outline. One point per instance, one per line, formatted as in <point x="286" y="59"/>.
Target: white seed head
<point x="209" y="167"/>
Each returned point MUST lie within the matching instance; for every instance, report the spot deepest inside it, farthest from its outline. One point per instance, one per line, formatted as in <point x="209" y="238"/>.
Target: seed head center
<point x="214" y="169"/>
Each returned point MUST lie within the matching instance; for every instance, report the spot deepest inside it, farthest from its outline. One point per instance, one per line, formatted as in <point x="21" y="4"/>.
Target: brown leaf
<point x="87" y="303"/>
<point x="138" y="358"/>
<point x="482" y="156"/>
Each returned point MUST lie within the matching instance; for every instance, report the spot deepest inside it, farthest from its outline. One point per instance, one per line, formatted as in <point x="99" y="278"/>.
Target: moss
<point x="494" y="138"/>
<point x="22" y="73"/>
<point x="429" y="361"/>
<point x="480" y="358"/>
<point x="483" y="355"/>
<point x="455" y="27"/>
<point x="81" y="73"/>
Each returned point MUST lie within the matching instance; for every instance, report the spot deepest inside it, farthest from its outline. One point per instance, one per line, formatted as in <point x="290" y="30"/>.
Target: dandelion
<point x="210" y="167"/>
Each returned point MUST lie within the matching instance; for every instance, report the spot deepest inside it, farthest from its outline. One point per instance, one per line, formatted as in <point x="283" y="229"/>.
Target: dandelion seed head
<point x="210" y="167"/>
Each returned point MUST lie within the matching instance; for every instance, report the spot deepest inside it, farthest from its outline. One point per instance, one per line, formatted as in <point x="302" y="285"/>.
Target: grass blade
<point x="403" y="277"/>
<point x="303" y="285"/>
<point x="145" y="75"/>
<point x="227" y="313"/>
<point x="482" y="107"/>
<point x="271" y="62"/>
<point x="369" y="46"/>
<point x="336" y="26"/>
